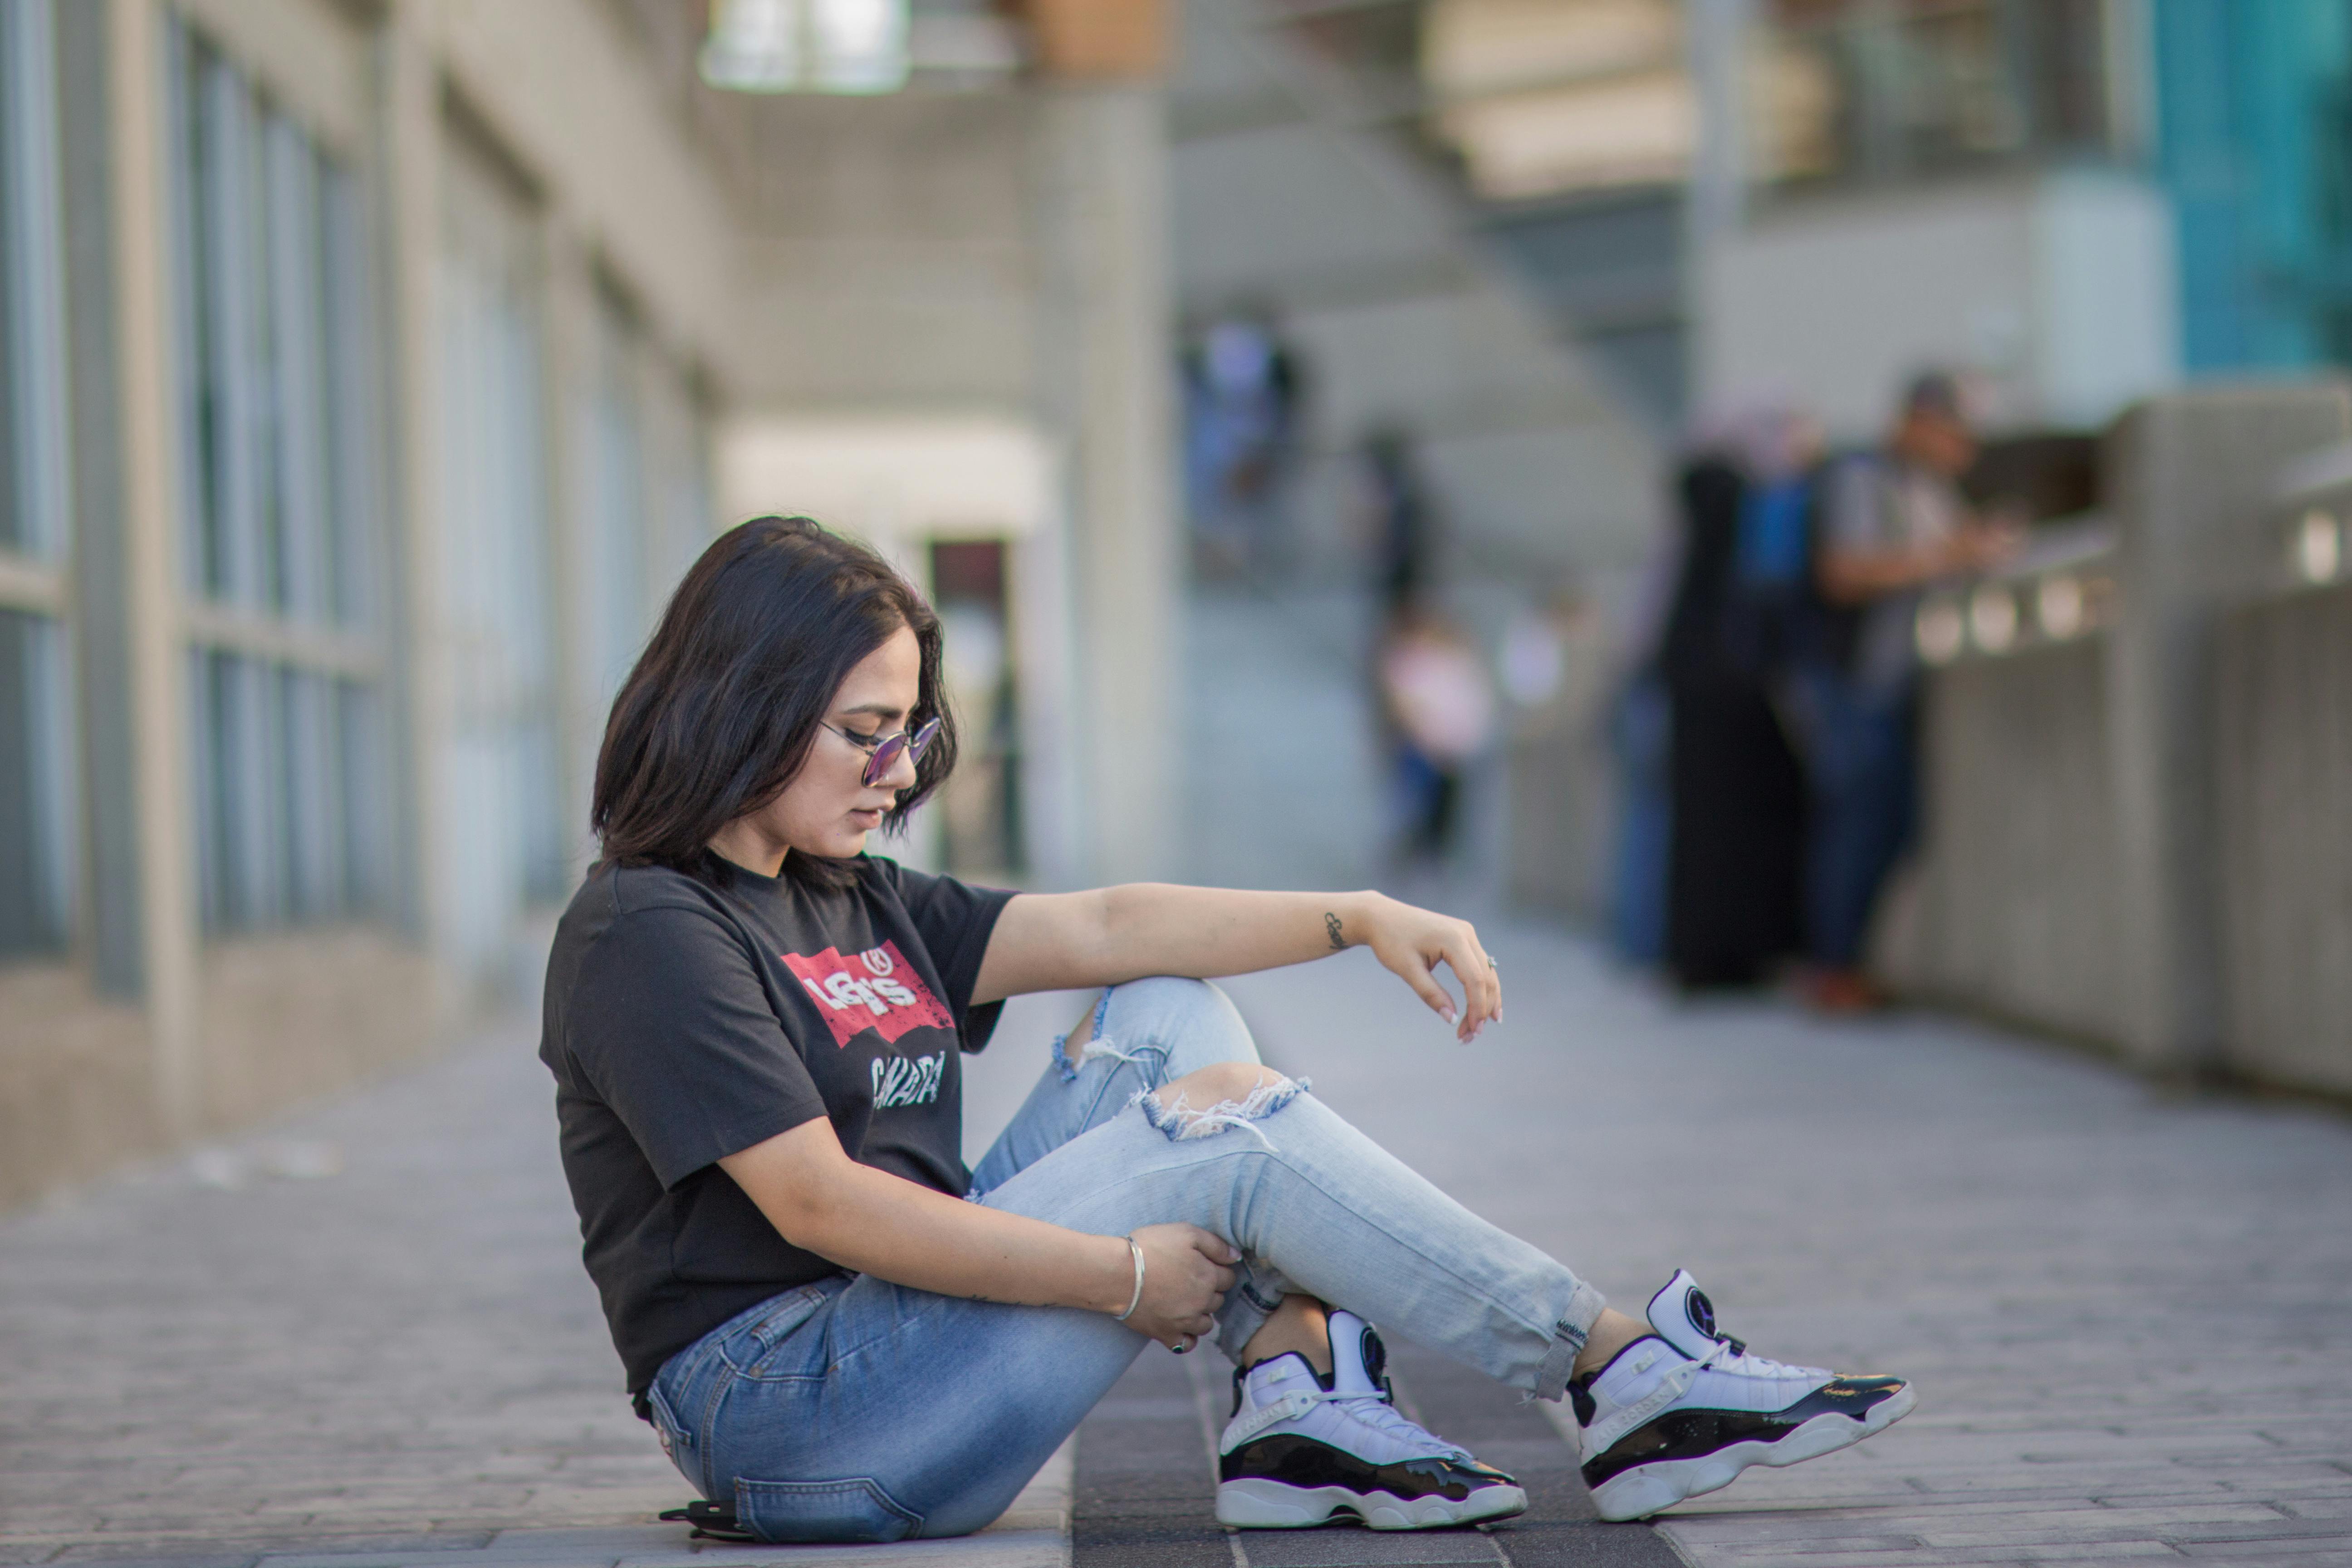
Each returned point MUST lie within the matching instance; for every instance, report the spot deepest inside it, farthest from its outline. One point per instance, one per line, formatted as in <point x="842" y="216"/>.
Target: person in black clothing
<point x="1736" y="811"/>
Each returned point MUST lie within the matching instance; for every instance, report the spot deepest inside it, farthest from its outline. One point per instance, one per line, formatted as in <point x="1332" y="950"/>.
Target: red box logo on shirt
<point x="876" y="989"/>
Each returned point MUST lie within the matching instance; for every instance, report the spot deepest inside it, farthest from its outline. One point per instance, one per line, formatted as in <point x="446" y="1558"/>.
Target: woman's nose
<point x="901" y="774"/>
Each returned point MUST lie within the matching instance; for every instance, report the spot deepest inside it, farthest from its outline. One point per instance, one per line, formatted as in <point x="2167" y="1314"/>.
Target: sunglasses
<point x="882" y="751"/>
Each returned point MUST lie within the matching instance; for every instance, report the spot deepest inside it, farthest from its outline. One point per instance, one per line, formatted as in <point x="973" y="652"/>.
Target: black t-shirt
<point x="688" y="1019"/>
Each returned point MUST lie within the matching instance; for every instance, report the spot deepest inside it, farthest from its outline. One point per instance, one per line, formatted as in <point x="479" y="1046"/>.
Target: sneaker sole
<point x="1255" y="1504"/>
<point x="1640" y="1492"/>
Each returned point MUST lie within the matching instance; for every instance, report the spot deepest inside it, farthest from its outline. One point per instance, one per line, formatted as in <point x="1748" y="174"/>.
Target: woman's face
<point x="828" y="809"/>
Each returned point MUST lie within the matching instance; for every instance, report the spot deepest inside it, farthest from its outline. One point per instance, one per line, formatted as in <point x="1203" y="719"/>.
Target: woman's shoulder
<point x="614" y="898"/>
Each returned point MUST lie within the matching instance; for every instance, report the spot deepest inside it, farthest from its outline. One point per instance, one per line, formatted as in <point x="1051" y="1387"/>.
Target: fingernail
<point x="1447" y="1015"/>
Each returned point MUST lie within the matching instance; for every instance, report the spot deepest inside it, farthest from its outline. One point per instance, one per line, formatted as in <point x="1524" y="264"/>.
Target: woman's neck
<point x="740" y="844"/>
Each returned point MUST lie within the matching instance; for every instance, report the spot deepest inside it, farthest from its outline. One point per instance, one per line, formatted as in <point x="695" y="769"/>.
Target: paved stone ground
<point x="2130" y="1316"/>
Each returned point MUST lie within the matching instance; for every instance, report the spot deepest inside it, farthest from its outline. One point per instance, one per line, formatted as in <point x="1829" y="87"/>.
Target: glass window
<point x="37" y="790"/>
<point x="278" y="442"/>
<point x="613" y="491"/>
<point x="502" y="840"/>
<point x="682" y="514"/>
<point x="35" y="786"/>
<point x="1861" y="89"/>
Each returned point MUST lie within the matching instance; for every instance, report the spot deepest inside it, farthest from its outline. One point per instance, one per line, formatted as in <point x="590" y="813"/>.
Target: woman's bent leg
<point x="863" y="1410"/>
<point x="859" y="1410"/>
<point x="1316" y="1206"/>
<point x="1139" y="1036"/>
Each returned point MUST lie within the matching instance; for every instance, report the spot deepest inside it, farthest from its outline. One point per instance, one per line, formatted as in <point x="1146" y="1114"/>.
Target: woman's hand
<point x="1412" y="942"/>
<point x="1186" y="1273"/>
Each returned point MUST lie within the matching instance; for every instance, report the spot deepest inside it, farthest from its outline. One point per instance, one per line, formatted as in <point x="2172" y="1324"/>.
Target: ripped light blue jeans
<point x="853" y="1410"/>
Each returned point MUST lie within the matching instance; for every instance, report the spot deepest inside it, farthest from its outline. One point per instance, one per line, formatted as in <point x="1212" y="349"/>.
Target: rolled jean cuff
<point x="1568" y="1337"/>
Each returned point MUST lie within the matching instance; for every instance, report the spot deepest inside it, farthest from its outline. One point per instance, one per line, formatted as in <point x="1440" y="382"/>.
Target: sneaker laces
<point x="1730" y="1356"/>
<point x="1382" y="1416"/>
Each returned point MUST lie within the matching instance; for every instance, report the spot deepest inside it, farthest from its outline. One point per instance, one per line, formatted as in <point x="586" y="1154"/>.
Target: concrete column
<point x="569" y="368"/>
<point x="156" y="665"/>
<point x="411" y="225"/>
<point x="1107" y="318"/>
<point x="2187" y="477"/>
<point x="1715" y="44"/>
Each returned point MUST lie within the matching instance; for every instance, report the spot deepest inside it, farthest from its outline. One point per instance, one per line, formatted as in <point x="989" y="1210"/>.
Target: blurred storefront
<point x="372" y="371"/>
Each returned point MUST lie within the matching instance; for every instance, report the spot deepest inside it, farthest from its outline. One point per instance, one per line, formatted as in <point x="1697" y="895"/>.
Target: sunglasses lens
<point x="884" y="758"/>
<point x="922" y="740"/>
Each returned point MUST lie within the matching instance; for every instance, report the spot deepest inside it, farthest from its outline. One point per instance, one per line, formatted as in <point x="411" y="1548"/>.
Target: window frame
<point x="283" y="618"/>
<point x="37" y="568"/>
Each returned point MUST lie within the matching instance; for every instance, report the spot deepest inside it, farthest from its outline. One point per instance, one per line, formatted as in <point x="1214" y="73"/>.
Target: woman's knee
<point x="1219" y="1083"/>
<point x="1193" y="1022"/>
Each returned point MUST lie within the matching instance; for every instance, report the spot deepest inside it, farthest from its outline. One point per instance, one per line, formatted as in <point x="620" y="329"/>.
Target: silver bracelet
<point x="1137" y="1300"/>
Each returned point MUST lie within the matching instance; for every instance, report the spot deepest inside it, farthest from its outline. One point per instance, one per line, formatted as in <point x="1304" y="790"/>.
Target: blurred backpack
<point x="1774" y="616"/>
<point x="1769" y="605"/>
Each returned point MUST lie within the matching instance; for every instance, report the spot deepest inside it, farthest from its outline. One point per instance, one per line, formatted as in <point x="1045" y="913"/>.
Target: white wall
<point x="2058" y="288"/>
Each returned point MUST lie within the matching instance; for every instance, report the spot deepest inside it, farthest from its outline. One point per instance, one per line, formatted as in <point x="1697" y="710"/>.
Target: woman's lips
<point x="867" y="816"/>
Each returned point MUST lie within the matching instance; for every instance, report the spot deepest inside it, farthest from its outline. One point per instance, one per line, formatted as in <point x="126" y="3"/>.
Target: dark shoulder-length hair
<point x="721" y="709"/>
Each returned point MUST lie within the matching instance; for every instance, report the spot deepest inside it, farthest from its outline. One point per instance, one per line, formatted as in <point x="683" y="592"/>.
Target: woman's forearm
<point x="874" y="1223"/>
<point x="1054" y="941"/>
<point x="1156" y="927"/>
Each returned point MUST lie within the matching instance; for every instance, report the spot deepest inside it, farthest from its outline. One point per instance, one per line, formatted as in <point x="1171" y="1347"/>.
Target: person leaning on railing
<point x="1888" y="523"/>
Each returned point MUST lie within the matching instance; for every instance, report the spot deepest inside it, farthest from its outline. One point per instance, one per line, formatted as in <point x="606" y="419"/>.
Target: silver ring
<point x="1495" y="966"/>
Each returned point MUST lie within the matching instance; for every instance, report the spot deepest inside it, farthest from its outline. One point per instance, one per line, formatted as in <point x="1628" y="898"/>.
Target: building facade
<point x="371" y="375"/>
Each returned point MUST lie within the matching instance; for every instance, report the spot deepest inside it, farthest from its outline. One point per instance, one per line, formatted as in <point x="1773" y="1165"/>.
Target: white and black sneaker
<point x="1685" y="1411"/>
<point x="1304" y="1451"/>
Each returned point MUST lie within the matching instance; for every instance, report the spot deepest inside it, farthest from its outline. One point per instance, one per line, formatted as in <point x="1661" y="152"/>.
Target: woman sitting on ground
<point x="754" y="1028"/>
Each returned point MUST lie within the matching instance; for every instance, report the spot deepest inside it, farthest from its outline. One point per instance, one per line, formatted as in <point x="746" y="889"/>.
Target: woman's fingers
<point x="1421" y="976"/>
<point x="1418" y="942"/>
<point x="1481" y="983"/>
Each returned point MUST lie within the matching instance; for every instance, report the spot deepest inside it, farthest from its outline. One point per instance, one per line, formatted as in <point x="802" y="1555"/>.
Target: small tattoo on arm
<point x="1331" y="929"/>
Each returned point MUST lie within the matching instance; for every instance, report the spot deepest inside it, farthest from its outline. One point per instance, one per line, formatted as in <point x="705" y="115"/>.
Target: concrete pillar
<point x="569" y="367"/>
<point x="1716" y="43"/>
<point x="2187" y="477"/>
<point x="157" y="668"/>
<point x="1106" y="363"/>
<point x="152" y="558"/>
<point x="410" y="218"/>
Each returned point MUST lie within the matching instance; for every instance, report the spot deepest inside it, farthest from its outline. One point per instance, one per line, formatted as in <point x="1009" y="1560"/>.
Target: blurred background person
<point x="1242" y="390"/>
<point x="1735" y="813"/>
<point x="1401" y="526"/>
<point x="1889" y="523"/>
<point x="1437" y="706"/>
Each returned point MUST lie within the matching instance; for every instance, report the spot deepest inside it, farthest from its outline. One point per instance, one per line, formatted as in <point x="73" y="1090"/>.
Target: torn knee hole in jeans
<point x="1094" y="1049"/>
<point x="1180" y="1119"/>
